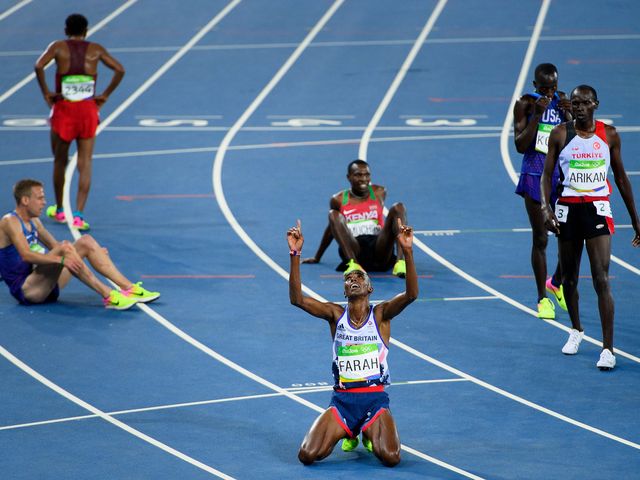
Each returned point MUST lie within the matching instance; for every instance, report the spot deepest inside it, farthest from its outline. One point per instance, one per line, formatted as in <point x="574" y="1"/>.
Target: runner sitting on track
<point x="361" y="334"/>
<point x="74" y="108"/>
<point x="357" y="223"/>
<point x="35" y="266"/>
<point x="585" y="149"/>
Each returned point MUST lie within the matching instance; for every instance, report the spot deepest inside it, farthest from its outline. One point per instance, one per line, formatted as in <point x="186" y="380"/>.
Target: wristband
<point x="62" y="260"/>
<point x="294" y="253"/>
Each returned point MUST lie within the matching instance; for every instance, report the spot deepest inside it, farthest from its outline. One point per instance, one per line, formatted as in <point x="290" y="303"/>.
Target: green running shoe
<point x="349" y="444"/>
<point x="400" y="269"/>
<point x="546" y="309"/>
<point x="140" y="294"/>
<point x="558" y="294"/>
<point x="52" y="212"/>
<point x="368" y="444"/>
<point x="117" y="301"/>
<point x="351" y="267"/>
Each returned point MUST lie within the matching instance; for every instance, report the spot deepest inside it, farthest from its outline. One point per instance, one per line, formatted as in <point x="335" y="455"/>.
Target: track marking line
<point x="106" y="417"/>
<point x="224" y="207"/>
<point x="91" y="31"/>
<point x="14" y="9"/>
<point x="508" y="120"/>
<point x="171" y="406"/>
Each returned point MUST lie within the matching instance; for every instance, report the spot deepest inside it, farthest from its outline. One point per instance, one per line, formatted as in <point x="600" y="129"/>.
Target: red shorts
<point x="72" y="120"/>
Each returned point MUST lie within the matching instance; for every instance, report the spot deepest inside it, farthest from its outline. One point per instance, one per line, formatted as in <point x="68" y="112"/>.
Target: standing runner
<point x="361" y="334"/>
<point x="535" y="114"/>
<point x="74" y="107"/>
<point x="584" y="149"/>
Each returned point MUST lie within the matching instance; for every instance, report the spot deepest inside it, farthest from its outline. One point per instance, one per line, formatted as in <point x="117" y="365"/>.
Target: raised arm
<point x="622" y="182"/>
<point x="327" y="236"/>
<point x="327" y="311"/>
<point x="389" y="309"/>
<point x="525" y="127"/>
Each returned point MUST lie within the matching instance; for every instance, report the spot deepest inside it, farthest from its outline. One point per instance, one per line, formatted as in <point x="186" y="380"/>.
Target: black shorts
<point x="367" y="256"/>
<point x="582" y="221"/>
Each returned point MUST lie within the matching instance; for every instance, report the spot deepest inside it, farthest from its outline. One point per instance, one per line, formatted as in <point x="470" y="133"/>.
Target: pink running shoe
<point x="79" y="223"/>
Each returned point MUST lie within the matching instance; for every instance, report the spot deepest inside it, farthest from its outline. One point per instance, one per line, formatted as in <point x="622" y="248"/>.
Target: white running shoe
<point x="607" y="360"/>
<point x="572" y="345"/>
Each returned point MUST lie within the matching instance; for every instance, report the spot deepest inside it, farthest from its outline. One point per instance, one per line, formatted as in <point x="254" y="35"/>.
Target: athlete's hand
<point x="636" y="239"/>
<point x="565" y="105"/>
<point x="405" y="236"/>
<point x="50" y="98"/>
<point x="100" y="100"/>
<point x="541" y="105"/>
<point x="550" y="220"/>
<point x="295" y="238"/>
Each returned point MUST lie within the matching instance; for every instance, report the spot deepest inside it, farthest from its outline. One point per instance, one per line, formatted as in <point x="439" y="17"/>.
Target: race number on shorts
<point x="603" y="207"/>
<point x="562" y="212"/>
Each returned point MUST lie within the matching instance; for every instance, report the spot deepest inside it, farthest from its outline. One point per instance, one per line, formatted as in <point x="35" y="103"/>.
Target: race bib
<point x="78" y="87"/>
<point x="364" y="228"/>
<point x="36" y="247"/>
<point x="603" y="207"/>
<point x="542" y="138"/>
<point x="587" y="175"/>
<point x="357" y="362"/>
<point x="562" y="212"/>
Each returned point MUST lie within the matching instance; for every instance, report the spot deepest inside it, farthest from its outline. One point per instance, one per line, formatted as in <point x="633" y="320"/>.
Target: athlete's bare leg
<point x="570" y="255"/>
<point x="347" y="242"/>
<point x="384" y="438"/>
<point x="321" y="438"/>
<point x="388" y="236"/>
<point x="60" y="150"/>
<point x="42" y="281"/>
<point x="85" y="155"/>
<point x="599" y="251"/>
<point x="99" y="259"/>
<point x="539" y="242"/>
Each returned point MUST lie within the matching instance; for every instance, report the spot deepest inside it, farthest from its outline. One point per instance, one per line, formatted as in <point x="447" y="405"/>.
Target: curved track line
<point x="91" y="31"/>
<point x="506" y="127"/>
<point x="71" y="166"/>
<point x="68" y="175"/>
<point x="417" y="45"/>
<point x="219" y="194"/>
<point x="363" y="150"/>
<point x="224" y="207"/>
<point x="108" y="418"/>
<point x="506" y="156"/>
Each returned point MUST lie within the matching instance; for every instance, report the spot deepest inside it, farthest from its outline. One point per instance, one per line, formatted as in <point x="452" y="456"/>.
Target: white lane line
<point x="141" y="89"/>
<point x="513" y="397"/>
<point x="222" y="202"/>
<point x="402" y="72"/>
<point x="507" y="128"/>
<point x="91" y="31"/>
<point x="14" y="9"/>
<point x="172" y="406"/>
<point x="68" y="175"/>
<point x="522" y="78"/>
<point x="311" y="143"/>
<point x="106" y="417"/>
<point x="443" y="261"/>
<point x="356" y="43"/>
